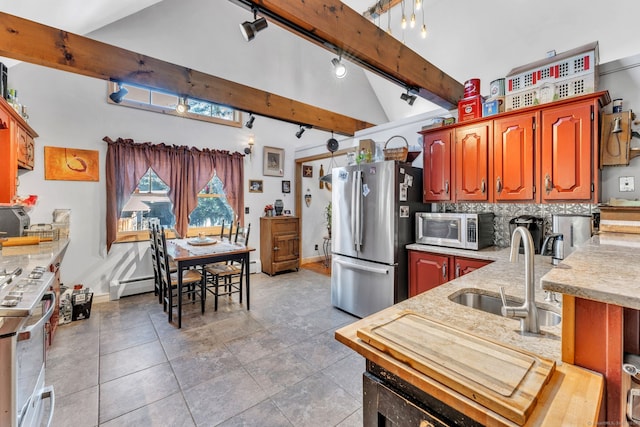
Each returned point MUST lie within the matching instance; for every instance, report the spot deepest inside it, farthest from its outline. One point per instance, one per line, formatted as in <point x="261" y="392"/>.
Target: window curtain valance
<point x="186" y="170"/>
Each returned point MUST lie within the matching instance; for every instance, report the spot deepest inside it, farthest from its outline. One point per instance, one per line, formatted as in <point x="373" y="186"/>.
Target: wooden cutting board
<point x="503" y="379"/>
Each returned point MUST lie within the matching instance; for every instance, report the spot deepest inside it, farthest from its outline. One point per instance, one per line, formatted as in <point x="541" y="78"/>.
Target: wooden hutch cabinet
<point x="544" y="154"/>
<point x="279" y="243"/>
<point x="16" y="150"/>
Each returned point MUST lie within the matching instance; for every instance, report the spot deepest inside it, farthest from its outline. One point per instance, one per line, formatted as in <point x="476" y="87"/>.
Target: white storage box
<point x="569" y="74"/>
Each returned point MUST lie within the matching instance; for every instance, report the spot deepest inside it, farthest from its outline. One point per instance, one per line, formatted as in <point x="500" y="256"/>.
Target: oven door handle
<point x="25" y="334"/>
<point x="49" y="393"/>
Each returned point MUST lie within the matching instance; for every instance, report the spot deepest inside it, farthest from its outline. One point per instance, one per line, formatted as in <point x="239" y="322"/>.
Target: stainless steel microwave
<point x="455" y="230"/>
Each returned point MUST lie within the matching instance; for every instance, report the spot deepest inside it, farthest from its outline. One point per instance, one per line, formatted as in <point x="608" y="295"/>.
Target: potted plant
<point x="327" y="217"/>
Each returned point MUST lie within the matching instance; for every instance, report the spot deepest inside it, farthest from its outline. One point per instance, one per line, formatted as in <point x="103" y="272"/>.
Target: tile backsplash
<point x="504" y="212"/>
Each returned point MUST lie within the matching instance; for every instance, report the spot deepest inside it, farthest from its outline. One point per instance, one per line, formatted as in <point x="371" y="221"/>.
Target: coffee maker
<point x="534" y="224"/>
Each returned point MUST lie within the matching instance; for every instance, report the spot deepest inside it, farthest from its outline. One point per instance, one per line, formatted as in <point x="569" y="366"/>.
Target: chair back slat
<point x="242" y="236"/>
<point x="163" y="259"/>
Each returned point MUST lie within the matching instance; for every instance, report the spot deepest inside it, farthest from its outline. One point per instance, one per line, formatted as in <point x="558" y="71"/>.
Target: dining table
<point x="196" y="252"/>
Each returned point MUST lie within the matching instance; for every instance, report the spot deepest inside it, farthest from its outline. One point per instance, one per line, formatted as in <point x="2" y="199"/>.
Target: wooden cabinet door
<point x="472" y="162"/>
<point x="25" y="149"/>
<point x="427" y="271"/>
<point x="285" y="247"/>
<point x="467" y="265"/>
<point x="8" y="159"/>
<point x="437" y="167"/>
<point x="567" y="140"/>
<point x="513" y="158"/>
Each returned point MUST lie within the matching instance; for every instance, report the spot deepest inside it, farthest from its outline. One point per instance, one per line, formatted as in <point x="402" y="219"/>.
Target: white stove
<point x="25" y="308"/>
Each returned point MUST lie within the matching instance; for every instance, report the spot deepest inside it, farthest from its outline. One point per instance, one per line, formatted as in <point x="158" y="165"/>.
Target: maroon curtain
<point x="185" y="170"/>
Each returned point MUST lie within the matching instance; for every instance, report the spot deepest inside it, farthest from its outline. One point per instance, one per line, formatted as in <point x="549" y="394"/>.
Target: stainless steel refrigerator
<point x="373" y="219"/>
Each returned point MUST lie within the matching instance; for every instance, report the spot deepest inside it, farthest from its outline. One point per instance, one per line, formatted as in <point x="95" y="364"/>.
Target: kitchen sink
<point x="493" y="304"/>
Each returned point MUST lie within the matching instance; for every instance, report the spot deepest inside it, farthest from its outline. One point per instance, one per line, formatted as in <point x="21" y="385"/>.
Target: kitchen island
<point x="571" y="397"/>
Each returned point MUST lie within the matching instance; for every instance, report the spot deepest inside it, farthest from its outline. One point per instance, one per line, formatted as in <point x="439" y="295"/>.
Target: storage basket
<point x="45" y="232"/>
<point x="399" y="153"/>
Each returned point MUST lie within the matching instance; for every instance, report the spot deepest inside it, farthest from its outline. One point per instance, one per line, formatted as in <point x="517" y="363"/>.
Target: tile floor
<point x="276" y="365"/>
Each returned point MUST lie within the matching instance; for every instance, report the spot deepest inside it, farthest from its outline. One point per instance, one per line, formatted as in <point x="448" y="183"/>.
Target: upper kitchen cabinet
<point x="569" y="152"/>
<point x="513" y="158"/>
<point x="438" y="168"/>
<point x="16" y="150"/>
<point x="544" y="154"/>
<point x="472" y="167"/>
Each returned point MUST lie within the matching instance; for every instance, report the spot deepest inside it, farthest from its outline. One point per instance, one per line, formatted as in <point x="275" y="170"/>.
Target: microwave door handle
<point x="25" y="334"/>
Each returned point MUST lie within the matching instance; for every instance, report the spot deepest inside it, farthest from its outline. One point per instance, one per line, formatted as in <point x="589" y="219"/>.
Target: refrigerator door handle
<point x="360" y="211"/>
<point x="354" y="189"/>
<point x="363" y="267"/>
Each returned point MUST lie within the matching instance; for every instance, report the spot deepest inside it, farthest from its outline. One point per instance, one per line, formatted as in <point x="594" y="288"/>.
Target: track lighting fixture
<point x="249" y="123"/>
<point x="301" y="131"/>
<point x="338" y="67"/>
<point x="408" y="97"/>
<point x="249" y="29"/>
<point x="182" y="106"/>
<point x="119" y="95"/>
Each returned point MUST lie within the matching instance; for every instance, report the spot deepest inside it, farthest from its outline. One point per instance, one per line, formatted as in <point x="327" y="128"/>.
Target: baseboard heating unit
<point x="124" y="287"/>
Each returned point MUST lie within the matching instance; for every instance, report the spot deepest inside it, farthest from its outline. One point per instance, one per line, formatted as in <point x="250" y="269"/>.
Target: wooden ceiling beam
<point x="336" y="27"/>
<point x="39" y="44"/>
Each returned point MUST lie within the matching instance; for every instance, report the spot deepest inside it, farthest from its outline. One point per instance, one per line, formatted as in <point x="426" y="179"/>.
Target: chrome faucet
<point x="527" y="312"/>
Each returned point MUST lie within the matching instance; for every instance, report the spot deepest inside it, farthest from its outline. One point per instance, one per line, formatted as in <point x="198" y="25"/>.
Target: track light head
<point x="300" y="132"/>
<point x="249" y="123"/>
<point x="339" y="68"/>
<point x="119" y="95"/>
<point x="408" y="97"/>
<point x="249" y="29"/>
<point x="182" y="106"/>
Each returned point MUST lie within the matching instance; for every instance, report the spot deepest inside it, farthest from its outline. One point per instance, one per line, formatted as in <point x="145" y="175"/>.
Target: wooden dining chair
<point x="154" y="231"/>
<point x="192" y="281"/>
<point x="226" y="278"/>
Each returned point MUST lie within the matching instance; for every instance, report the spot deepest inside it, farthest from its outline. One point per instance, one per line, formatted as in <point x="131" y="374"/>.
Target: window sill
<point x="143" y="235"/>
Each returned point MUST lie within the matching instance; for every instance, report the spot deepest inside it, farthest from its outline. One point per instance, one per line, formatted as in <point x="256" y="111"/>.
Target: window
<point x="150" y="200"/>
<point x="163" y="102"/>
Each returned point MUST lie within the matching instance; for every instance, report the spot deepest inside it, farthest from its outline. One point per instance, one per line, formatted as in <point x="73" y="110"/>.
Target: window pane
<point x="149" y="200"/>
<point x="163" y="100"/>
<point x="213" y="207"/>
<point x="137" y="94"/>
<point x="199" y="107"/>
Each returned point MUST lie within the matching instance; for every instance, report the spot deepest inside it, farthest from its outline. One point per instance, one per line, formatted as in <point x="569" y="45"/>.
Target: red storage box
<point x="470" y="108"/>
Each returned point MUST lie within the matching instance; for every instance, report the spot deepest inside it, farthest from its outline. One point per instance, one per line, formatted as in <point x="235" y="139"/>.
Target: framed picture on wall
<point x="71" y="164"/>
<point x="307" y="171"/>
<point x="273" y="161"/>
<point x="286" y="186"/>
<point x="255" y="186"/>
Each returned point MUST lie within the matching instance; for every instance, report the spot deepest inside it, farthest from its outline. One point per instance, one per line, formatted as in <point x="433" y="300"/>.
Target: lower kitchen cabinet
<point x="279" y="244"/>
<point x="428" y="270"/>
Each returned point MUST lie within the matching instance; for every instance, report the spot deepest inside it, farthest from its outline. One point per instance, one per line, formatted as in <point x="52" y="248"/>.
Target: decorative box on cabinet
<point x="16" y="150"/>
<point x="279" y="244"/>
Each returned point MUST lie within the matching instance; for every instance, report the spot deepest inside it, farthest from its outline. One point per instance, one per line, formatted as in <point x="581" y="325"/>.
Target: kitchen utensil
<point x="554" y="245"/>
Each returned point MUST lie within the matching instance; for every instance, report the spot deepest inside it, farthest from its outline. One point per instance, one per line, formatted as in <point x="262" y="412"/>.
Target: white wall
<point x="69" y="110"/>
<point x="622" y="79"/>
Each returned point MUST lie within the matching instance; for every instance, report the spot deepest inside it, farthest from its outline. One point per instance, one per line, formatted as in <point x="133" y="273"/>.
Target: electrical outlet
<point x="316" y="247"/>
<point x="246" y="209"/>
<point x="626" y="183"/>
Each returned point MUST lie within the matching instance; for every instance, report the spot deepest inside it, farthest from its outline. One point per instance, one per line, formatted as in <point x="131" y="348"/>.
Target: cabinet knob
<point x="446" y="187"/>
<point x="483" y="186"/>
<point x="457" y="270"/>
<point x="498" y="185"/>
<point x="444" y="271"/>
<point x="275" y="248"/>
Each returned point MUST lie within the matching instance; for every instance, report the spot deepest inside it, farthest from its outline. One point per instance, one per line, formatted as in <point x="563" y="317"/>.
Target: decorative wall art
<point x="286" y="186"/>
<point x="307" y="171"/>
<point x="273" y="161"/>
<point x="255" y="186"/>
<point x="71" y="164"/>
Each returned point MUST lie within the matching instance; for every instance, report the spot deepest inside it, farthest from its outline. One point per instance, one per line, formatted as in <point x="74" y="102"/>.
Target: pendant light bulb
<point x="423" y="31"/>
<point x="412" y="23"/>
<point x="403" y="23"/>
<point x="418" y="4"/>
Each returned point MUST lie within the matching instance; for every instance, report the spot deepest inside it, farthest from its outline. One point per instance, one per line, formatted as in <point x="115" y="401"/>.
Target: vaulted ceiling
<point x="466" y="39"/>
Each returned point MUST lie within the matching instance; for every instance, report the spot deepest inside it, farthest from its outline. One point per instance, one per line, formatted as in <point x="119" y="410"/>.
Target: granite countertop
<point x="30" y="256"/>
<point x="605" y="269"/>
<point x="437" y="304"/>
